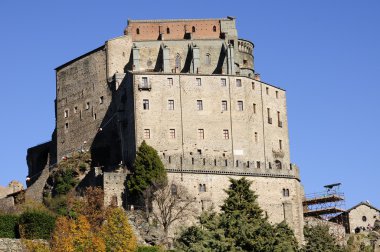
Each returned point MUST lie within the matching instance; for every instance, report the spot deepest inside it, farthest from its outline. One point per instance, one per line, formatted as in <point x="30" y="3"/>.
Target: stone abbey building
<point x="189" y="89"/>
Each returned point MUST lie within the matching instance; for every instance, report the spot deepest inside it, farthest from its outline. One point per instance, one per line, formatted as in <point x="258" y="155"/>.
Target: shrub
<point x="8" y="226"/>
<point x="65" y="180"/>
<point x="36" y="245"/>
<point x="35" y="224"/>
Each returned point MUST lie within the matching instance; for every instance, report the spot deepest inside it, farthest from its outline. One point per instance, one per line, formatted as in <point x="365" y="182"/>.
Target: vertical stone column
<point x="136" y="58"/>
<point x="230" y="60"/>
<point x="166" y="59"/>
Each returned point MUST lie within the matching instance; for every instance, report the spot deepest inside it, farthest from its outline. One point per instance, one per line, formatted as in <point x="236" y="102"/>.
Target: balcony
<point x="280" y="124"/>
<point x="270" y="120"/>
<point x="144" y="86"/>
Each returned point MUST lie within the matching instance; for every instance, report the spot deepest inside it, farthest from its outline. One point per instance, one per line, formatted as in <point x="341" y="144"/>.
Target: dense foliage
<point x="147" y="170"/>
<point x="117" y="233"/>
<point x="318" y="239"/>
<point x="9" y="226"/>
<point x="36" y="224"/>
<point x="239" y="227"/>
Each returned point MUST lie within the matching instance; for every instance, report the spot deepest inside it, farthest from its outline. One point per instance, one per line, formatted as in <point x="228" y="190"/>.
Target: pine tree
<point x="240" y="226"/>
<point x="319" y="239"/>
<point x="148" y="174"/>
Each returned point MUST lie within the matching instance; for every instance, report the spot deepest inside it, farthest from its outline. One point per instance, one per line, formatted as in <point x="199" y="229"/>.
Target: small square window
<point x="147" y="133"/>
<point x="224" y="106"/>
<point x="146" y="104"/>
<point x="238" y="82"/>
<point x="201" y="134"/>
<point x="223" y="82"/>
<point x="199" y="82"/>
<point x="66" y="113"/>
<point x="170" y="81"/>
<point x="199" y="105"/>
<point x="240" y="105"/>
<point x="101" y="99"/>
<point x="170" y="104"/>
<point x="172" y="133"/>
<point x="226" y="135"/>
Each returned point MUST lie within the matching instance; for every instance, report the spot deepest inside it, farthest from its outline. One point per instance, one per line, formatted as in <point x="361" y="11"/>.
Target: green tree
<point x="318" y="239"/>
<point x="239" y="227"/>
<point x="148" y="174"/>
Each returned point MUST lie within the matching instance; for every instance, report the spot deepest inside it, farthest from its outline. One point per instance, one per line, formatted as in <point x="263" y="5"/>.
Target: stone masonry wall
<point x="362" y="216"/>
<point x="83" y="98"/>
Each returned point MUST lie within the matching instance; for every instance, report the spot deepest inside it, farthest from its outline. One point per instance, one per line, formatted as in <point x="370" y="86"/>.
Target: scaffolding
<point x="328" y="207"/>
<point x="327" y="204"/>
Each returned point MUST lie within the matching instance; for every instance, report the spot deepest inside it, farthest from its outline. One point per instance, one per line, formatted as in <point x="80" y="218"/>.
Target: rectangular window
<point x="66" y="113"/>
<point x="75" y="109"/>
<point x="87" y="105"/>
<point x="199" y="82"/>
<point x="170" y="81"/>
<point x="224" y="106"/>
<point x="253" y="85"/>
<point x="147" y="133"/>
<point x="267" y="90"/>
<point x="238" y="82"/>
<point x="280" y="144"/>
<point x="101" y="99"/>
<point x="145" y="82"/>
<point x="226" y="135"/>
<point x="258" y="164"/>
<point x="279" y="119"/>
<point x="146" y="104"/>
<point x="199" y="105"/>
<point x="240" y="105"/>
<point x="277" y="94"/>
<point x="269" y="118"/>
<point x="201" y="134"/>
<point x="170" y="104"/>
<point x="223" y="82"/>
<point x="254" y="108"/>
<point x="172" y="133"/>
<point x="66" y="126"/>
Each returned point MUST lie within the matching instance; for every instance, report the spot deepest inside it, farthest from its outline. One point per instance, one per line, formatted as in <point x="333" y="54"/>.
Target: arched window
<point x="173" y="189"/>
<point x="137" y="31"/>
<point x="168" y="30"/>
<point x="214" y="28"/>
<point x="278" y="164"/>
<point x="208" y="59"/>
<point x="178" y="62"/>
<point x="193" y="29"/>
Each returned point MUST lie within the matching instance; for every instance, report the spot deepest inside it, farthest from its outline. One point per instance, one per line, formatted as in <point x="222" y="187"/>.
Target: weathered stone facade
<point x="189" y="89"/>
<point x="362" y="216"/>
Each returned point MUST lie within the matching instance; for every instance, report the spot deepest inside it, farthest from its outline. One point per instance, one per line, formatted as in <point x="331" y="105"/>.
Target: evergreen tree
<point x="318" y="239"/>
<point x="239" y="227"/>
<point x="149" y="174"/>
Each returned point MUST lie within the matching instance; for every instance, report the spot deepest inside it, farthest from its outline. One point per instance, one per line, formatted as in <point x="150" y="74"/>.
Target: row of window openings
<point x="201" y="135"/>
<point x="87" y="107"/>
<point x="193" y="29"/>
<point x="240" y="107"/>
<point x="199" y="81"/>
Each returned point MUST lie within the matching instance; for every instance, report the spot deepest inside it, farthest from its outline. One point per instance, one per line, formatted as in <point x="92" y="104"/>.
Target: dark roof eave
<point x="78" y="58"/>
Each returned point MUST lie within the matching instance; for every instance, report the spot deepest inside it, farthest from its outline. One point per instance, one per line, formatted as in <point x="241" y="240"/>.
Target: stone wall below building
<point x="11" y="245"/>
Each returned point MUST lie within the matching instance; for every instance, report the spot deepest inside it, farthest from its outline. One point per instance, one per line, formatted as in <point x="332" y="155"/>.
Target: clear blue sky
<point x="326" y="55"/>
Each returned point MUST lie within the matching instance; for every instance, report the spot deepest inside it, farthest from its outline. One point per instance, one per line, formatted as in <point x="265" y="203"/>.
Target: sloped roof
<point x="363" y="203"/>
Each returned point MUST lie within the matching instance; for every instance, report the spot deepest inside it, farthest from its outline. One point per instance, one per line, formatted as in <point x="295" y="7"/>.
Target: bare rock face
<point x="13" y="186"/>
